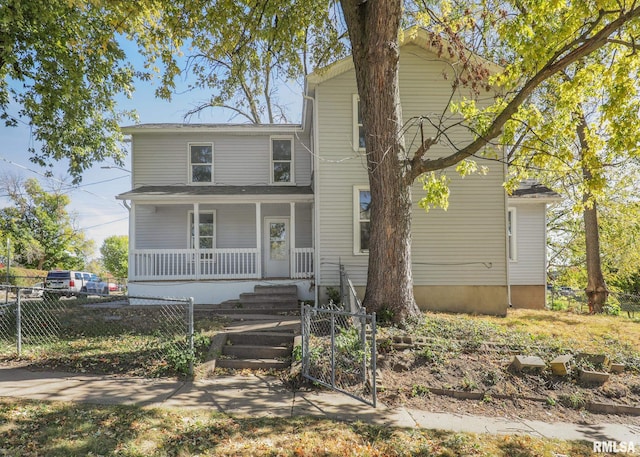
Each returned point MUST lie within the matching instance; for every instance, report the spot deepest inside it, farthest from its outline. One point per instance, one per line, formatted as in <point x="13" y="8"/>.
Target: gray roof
<point x="530" y="188"/>
<point x="224" y="127"/>
<point x="182" y="190"/>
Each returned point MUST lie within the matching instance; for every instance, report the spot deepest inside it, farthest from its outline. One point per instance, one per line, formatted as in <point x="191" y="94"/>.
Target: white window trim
<point x="356" y="220"/>
<point x="355" y="125"/>
<point x="292" y="182"/>
<point x="190" y="169"/>
<point x="512" y="241"/>
<point x="215" y="227"/>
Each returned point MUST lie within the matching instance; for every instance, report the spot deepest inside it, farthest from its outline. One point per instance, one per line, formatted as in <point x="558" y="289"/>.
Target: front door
<point x="276" y="248"/>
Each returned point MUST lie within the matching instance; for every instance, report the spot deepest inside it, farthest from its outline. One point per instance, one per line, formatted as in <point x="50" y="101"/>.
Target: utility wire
<point x="67" y="186"/>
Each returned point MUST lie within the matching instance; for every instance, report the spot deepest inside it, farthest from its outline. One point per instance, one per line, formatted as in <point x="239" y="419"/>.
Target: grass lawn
<point x="550" y="332"/>
<point x="31" y="428"/>
<point x="589" y="332"/>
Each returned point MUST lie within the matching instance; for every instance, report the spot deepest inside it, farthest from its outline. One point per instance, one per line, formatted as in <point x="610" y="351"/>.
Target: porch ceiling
<point x="222" y="193"/>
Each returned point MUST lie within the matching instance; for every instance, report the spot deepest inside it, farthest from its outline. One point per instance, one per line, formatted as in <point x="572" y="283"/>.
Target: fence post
<point x="363" y="340"/>
<point x="19" y="322"/>
<point x="306" y="334"/>
<point x="333" y="349"/>
<point x="190" y="330"/>
<point x="343" y="293"/>
<point x="374" y="357"/>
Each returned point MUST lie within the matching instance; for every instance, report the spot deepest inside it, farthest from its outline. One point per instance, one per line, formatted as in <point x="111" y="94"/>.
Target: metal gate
<point x="339" y="351"/>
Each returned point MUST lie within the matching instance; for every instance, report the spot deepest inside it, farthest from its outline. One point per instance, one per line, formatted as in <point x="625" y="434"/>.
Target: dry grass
<point x="583" y="331"/>
<point x="30" y="428"/>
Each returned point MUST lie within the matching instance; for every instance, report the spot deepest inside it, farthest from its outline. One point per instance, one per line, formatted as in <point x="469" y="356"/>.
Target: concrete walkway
<point x="266" y="396"/>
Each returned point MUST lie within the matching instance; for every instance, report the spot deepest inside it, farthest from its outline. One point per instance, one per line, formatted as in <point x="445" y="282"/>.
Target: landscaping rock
<point x="560" y="365"/>
<point x="593" y="377"/>
<point x="531" y="362"/>
<point x="596" y="360"/>
<point x="616" y="368"/>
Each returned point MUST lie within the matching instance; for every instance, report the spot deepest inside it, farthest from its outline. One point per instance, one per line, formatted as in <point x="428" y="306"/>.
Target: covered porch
<point x="221" y="234"/>
<point x="229" y="263"/>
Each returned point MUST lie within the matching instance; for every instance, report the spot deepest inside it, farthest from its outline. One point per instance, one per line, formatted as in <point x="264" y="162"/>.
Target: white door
<point x="276" y="248"/>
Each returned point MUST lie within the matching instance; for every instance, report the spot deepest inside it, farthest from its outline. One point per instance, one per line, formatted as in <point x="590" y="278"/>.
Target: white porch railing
<point x="149" y="264"/>
<point x="233" y="263"/>
<point x="302" y="263"/>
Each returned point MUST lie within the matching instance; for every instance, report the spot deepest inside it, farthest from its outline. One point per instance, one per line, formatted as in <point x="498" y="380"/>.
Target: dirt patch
<point x="409" y="376"/>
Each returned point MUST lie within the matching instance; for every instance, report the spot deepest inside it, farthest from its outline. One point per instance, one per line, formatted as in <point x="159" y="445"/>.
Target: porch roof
<point x="531" y="190"/>
<point x="219" y="193"/>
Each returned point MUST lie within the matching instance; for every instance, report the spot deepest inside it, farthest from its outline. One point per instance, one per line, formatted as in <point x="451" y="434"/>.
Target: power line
<point x="105" y="223"/>
<point x="66" y="186"/>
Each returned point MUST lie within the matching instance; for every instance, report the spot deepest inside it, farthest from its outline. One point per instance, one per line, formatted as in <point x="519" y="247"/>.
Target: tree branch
<point x="552" y="67"/>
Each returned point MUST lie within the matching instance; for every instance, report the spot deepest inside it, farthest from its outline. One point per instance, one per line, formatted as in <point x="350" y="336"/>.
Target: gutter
<point x="316" y="198"/>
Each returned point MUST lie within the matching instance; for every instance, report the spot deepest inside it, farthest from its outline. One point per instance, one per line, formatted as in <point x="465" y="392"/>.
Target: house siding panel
<point x="162" y="158"/>
<point x="464" y="245"/>
<point x="161" y="226"/>
<point x="529" y="266"/>
<point x="236" y="226"/>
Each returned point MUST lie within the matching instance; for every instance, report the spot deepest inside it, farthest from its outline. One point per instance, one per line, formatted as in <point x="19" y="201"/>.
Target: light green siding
<point x="161" y="159"/>
<point x="464" y="245"/>
<point x="529" y="266"/>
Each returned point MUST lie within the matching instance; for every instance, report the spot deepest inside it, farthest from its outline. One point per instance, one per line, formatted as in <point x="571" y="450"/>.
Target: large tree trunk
<point x="596" y="290"/>
<point x="373" y="30"/>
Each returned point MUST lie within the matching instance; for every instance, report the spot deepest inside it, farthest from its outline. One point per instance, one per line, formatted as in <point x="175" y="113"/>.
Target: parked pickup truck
<point x="97" y="286"/>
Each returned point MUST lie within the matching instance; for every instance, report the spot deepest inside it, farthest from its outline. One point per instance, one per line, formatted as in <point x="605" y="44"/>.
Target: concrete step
<point x="251" y="311"/>
<point x="268" y="300"/>
<point x="252" y="364"/>
<point x="244" y="351"/>
<point x="277" y="290"/>
<point x="287" y="324"/>
<point x="260" y="338"/>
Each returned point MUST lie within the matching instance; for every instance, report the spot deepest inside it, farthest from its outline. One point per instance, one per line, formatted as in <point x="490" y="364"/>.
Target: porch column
<point x="292" y="238"/>
<point x="196" y="237"/>
<point x="258" y="241"/>
<point x="133" y="268"/>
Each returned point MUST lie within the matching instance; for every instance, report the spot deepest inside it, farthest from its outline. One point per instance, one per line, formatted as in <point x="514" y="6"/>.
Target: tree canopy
<point x="62" y="66"/>
<point x="41" y="230"/>
<point x="115" y="255"/>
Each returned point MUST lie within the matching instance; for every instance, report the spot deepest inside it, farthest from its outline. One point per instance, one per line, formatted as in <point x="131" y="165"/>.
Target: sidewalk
<point x="266" y="396"/>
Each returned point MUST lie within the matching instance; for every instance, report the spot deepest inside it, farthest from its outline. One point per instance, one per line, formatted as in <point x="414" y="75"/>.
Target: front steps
<point x="262" y="329"/>
<point x="274" y="300"/>
<point x="257" y="350"/>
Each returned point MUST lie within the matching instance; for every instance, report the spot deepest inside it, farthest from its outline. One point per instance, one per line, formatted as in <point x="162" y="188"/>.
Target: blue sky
<point x="97" y="211"/>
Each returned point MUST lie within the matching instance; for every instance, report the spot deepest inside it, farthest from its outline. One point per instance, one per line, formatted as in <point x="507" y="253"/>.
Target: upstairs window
<point x="201" y="163"/>
<point x="282" y="160"/>
<point x="358" y="128"/>
<point x="361" y="219"/>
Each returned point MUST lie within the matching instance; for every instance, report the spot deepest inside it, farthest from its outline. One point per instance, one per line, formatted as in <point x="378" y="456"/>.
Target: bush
<point x="22" y="277"/>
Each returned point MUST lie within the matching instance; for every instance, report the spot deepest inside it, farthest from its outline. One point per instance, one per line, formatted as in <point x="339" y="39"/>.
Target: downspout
<point x="316" y="199"/>
<point x="506" y="242"/>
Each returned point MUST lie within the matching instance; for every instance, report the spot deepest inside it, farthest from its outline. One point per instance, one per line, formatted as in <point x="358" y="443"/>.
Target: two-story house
<point x="217" y="209"/>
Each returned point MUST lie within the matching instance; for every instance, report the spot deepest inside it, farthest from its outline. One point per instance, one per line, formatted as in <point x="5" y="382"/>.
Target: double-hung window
<point x="358" y="128"/>
<point x="282" y="166"/>
<point x="206" y="229"/>
<point x="201" y="163"/>
<point x="361" y="219"/>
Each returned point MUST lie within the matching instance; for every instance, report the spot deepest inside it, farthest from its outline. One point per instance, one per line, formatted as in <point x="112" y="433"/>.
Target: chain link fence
<point x="627" y="303"/>
<point x="141" y="336"/>
<point x="576" y="299"/>
<point x="339" y="351"/>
